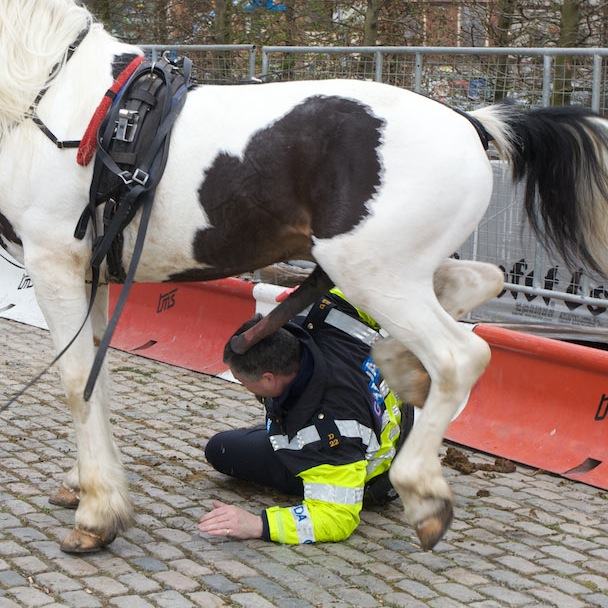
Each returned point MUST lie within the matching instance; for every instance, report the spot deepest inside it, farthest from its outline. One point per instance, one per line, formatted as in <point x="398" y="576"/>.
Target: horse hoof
<point x="85" y="541"/>
<point x="65" y="497"/>
<point x="431" y="529"/>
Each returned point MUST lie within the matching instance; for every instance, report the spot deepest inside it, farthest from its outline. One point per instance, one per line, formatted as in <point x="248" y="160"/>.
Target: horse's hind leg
<point x="454" y="359"/>
<point x="104" y="507"/>
<point x="403" y="300"/>
<point x="460" y="286"/>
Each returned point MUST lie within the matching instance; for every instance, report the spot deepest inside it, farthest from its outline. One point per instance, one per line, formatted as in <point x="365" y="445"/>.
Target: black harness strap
<point x="134" y="187"/>
<point x="31" y="113"/>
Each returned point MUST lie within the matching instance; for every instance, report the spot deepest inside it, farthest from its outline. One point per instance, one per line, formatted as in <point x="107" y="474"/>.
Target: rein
<point x="31" y="113"/>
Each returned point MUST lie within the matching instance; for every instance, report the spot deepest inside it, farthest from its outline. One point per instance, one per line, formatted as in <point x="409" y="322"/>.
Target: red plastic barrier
<point x="184" y="324"/>
<point x="540" y="402"/>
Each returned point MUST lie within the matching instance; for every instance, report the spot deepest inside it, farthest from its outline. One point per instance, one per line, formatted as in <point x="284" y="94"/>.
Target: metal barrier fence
<point x="213" y="63"/>
<point x="539" y="289"/>
<point x="465" y="77"/>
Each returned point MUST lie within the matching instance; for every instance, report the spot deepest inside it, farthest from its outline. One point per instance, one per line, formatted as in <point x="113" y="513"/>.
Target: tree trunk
<point x="291" y="33"/>
<point x="221" y="22"/>
<point x="506" y="10"/>
<point x="570" y="17"/>
<point x="102" y="9"/>
<point x="370" y="35"/>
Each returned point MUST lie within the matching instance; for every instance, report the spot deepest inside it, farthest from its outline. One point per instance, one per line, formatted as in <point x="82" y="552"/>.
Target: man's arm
<point x="333" y="497"/>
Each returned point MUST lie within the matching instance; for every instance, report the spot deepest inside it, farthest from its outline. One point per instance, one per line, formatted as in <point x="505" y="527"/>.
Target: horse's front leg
<point x="104" y="508"/>
<point x="67" y="494"/>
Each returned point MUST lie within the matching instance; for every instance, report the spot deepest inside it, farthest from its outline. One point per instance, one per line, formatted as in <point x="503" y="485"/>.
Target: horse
<point x="376" y="184"/>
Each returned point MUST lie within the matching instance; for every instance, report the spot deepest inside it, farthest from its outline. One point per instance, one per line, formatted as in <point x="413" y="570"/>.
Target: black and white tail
<point x="562" y="154"/>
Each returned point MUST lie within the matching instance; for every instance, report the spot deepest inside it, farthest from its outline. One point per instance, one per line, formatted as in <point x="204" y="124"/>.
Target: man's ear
<point x="268" y="377"/>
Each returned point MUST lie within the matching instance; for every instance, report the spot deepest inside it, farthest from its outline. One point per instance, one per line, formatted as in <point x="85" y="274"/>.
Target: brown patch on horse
<point x="311" y="172"/>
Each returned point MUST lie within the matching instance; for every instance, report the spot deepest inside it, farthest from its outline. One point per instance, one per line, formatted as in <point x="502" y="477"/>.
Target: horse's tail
<point x="562" y="153"/>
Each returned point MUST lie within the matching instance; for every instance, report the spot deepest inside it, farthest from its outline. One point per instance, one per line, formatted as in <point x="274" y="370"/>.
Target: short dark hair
<point x="278" y="353"/>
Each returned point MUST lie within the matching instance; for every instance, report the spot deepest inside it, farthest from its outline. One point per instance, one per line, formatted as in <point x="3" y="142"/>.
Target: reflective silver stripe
<point x="304" y="529"/>
<point x="385" y="419"/>
<point x="352" y="326"/>
<point x="334" y="494"/>
<point x="384" y="389"/>
<point x="374" y="463"/>
<point x="393" y="433"/>
<point x="352" y="428"/>
<point x="303" y="437"/>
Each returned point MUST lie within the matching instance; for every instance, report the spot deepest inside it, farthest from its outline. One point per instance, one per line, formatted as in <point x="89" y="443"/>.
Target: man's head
<point x="268" y="367"/>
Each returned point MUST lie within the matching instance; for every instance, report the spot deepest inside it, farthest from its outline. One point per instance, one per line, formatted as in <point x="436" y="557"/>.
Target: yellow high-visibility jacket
<point x="336" y="428"/>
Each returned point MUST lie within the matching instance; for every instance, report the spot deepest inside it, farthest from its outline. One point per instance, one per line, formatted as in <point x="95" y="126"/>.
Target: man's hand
<point x="228" y="520"/>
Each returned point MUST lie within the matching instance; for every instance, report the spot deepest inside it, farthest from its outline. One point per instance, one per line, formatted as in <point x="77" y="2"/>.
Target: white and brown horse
<point x="376" y="184"/>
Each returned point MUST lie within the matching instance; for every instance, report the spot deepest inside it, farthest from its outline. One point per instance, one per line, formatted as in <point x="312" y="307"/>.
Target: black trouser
<point x="247" y="454"/>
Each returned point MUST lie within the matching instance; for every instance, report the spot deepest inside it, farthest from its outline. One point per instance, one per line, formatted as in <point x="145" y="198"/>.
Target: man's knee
<point x="215" y="451"/>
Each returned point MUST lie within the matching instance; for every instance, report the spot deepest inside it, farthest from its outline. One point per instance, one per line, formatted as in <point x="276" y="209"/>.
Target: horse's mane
<point x="34" y="36"/>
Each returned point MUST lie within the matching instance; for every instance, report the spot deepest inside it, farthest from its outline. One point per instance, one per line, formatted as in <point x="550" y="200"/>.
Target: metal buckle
<point x="126" y="125"/>
<point x="140" y="177"/>
<point x="126" y="177"/>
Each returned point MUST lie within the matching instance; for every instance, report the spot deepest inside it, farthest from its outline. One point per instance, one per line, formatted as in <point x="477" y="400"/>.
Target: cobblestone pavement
<point x="520" y="539"/>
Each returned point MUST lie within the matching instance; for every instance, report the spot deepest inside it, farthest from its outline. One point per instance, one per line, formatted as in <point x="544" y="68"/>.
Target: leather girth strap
<point x="132" y="150"/>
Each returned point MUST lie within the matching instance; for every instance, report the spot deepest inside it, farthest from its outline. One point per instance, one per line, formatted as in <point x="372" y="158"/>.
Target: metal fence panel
<point x="213" y="63"/>
<point x="504" y="238"/>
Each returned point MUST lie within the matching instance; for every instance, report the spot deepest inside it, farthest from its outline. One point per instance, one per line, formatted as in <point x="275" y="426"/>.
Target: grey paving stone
<point x="10" y="578"/>
<point x="28" y="596"/>
<point x="206" y="599"/>
<point x="564" y="553"/>
<point x="597" y="599"/>
<point x="250" y="600"/>
<point x="507" y="597"/>
<point x="130" y="601"/>
<point x="149" y="564"/>
<point x="138" y="583"/>
<point x="9" y="548"/>
<point x="80" y="599"/>
<point x="8" y="521"/>
<point x="189" y="568"/>
<point x="218" y="582"/>
<point x="357" y="597"/>
<point x="176" y="580"/>
<point x="519" y="564"/>
<point x="565" y="585"/>
<point x="234" y="569"/>
<point x="558" y="566"/>
<point x="458" y="592"/>
<point x="402" y="600"/>
<point x="416" y="589"/>
<point x="75" y="566"/>
<point x="266" y="587"/>
<point x="557" y="598"/>
<point x="26" y="534"/>
<point x="57" y="582"/>
<point x="104" y="585"/>
<point x="170" y="599"/>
